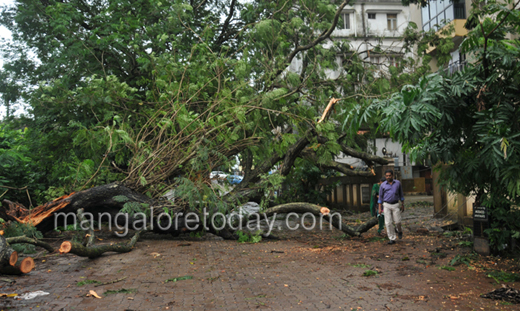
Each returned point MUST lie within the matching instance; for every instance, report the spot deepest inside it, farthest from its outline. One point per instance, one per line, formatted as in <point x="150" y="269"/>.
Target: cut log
<point x="23" y="266"/>
<point x="97" y="250"/>
<point x="65" y="247"/>
<point x="8" y="256"/>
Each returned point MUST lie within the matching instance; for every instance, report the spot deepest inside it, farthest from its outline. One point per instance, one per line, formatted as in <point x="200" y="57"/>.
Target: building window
<point x="391" y="21"/>
<point x="394" y="61"/>
<point x="344" y="22"/>
<point x="459" y="11"/>
<point x="371" y="15"/>
<point x="376" y="61"/>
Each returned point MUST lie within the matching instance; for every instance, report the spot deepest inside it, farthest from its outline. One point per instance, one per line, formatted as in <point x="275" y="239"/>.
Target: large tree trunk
<point x="100" y="201"/>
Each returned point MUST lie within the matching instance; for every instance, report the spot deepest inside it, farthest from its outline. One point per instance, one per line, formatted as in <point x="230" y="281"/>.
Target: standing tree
<point x="470" y="120"/>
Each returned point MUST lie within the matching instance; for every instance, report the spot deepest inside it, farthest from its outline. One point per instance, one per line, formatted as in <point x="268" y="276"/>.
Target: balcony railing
<point x="455" y="66"/>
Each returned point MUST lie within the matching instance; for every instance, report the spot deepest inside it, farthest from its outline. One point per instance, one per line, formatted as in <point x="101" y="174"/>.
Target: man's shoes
<point x="391" y="242"/>
<point x="399" y="234"/>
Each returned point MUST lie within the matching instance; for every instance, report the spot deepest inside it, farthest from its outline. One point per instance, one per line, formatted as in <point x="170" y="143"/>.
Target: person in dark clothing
<point x="374" y="210"/>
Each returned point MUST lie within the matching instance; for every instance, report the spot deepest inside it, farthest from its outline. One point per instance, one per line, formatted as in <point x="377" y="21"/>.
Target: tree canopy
<point x="159" y="94"/>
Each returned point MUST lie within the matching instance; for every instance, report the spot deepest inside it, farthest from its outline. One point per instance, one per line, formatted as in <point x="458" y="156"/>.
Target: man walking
<point x="389" y="194"/>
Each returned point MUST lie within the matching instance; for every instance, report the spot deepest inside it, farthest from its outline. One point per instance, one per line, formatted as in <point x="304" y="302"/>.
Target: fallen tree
<point x="111" y="200"/>
<point x="169" y="133"/>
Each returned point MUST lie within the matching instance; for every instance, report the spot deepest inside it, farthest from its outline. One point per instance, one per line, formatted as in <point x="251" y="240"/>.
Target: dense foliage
<point x="470" y="120"/>
<point x="159" y="94"/>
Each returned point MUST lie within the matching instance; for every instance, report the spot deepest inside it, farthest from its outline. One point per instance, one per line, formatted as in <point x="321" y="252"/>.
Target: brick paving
<point x="314" y="272"/>
<point x="226" y="276"/>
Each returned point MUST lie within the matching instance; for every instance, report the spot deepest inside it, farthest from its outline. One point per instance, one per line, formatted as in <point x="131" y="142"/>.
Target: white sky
<point x="4" y="33"/>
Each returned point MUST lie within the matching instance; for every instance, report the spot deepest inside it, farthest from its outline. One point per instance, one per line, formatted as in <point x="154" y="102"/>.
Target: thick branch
<point x="98" y="250"/>
<point x="335" y="219"/>
<point x="322" y="37"/>
<point x="221" y="37"/>
<point x="340" y="167"/>
<point x="365" y="156"/>
<point x="27" y="240"/>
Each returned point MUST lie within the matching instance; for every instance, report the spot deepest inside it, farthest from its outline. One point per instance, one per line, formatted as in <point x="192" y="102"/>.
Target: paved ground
<point x="305" y="271"/>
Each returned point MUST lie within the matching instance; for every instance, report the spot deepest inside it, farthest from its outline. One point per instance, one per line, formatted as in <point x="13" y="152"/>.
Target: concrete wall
<point x="365" y="34"/>
<point x="362" y="26"/>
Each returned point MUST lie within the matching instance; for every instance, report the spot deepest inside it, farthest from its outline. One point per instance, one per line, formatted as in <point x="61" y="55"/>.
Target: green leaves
<point x="470" y="120"/>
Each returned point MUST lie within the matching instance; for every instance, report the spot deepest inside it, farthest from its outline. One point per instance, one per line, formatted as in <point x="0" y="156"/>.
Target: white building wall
<point x="364" y="35"/>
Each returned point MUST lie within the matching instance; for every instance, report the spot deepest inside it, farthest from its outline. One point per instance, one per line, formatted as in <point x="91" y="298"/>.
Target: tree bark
<point x="96" y="201"/>
<point x="8" y="256"/>
<point x="23" y="266"/>
<point x="98" y="250"/>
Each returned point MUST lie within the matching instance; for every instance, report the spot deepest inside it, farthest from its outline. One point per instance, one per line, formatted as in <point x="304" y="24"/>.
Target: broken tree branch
<point x="334" y="219"/>
<point x="98" y="250"/>
<point x="27" y="240"/>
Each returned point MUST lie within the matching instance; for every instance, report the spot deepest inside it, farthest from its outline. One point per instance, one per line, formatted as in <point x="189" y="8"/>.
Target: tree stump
<point x="8" y="256"/>
<point x="23" y="266"/>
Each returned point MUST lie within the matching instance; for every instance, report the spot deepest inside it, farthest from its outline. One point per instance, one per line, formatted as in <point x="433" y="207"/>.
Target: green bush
<point x="18" y="229"/>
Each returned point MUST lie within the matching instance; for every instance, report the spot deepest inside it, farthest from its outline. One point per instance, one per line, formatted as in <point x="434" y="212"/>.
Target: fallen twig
<point x="111" y="282"/>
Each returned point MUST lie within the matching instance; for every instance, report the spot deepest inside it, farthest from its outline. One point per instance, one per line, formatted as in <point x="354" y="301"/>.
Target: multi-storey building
<point x="439" y="14"/>
<point x="368" y="24"/>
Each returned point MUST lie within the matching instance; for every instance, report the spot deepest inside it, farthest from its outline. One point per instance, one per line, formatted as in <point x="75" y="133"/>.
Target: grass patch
<point x="81" y="283"/>
<point x="405" y="258"/>
<point x="121" y="291"/>
<point x="359" y="265"/>
<point x="466" y="243"/>
<point x="461" y="259"/>
<point x="447" y="268"/>
<point x="181" y="278"/>
<point x="502" y="276"/>
<point x="248" y="237"/>
<point x="376" y="239"/>
<point x="370" y="273"/>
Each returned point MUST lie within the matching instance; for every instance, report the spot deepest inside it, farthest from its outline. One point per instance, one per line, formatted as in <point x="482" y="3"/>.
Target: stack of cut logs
<point x="9" y="262"/>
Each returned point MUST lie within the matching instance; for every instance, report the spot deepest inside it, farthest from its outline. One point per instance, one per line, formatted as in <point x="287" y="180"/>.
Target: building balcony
<point x="455" y="66"/>
<point x="457" y="35"/>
